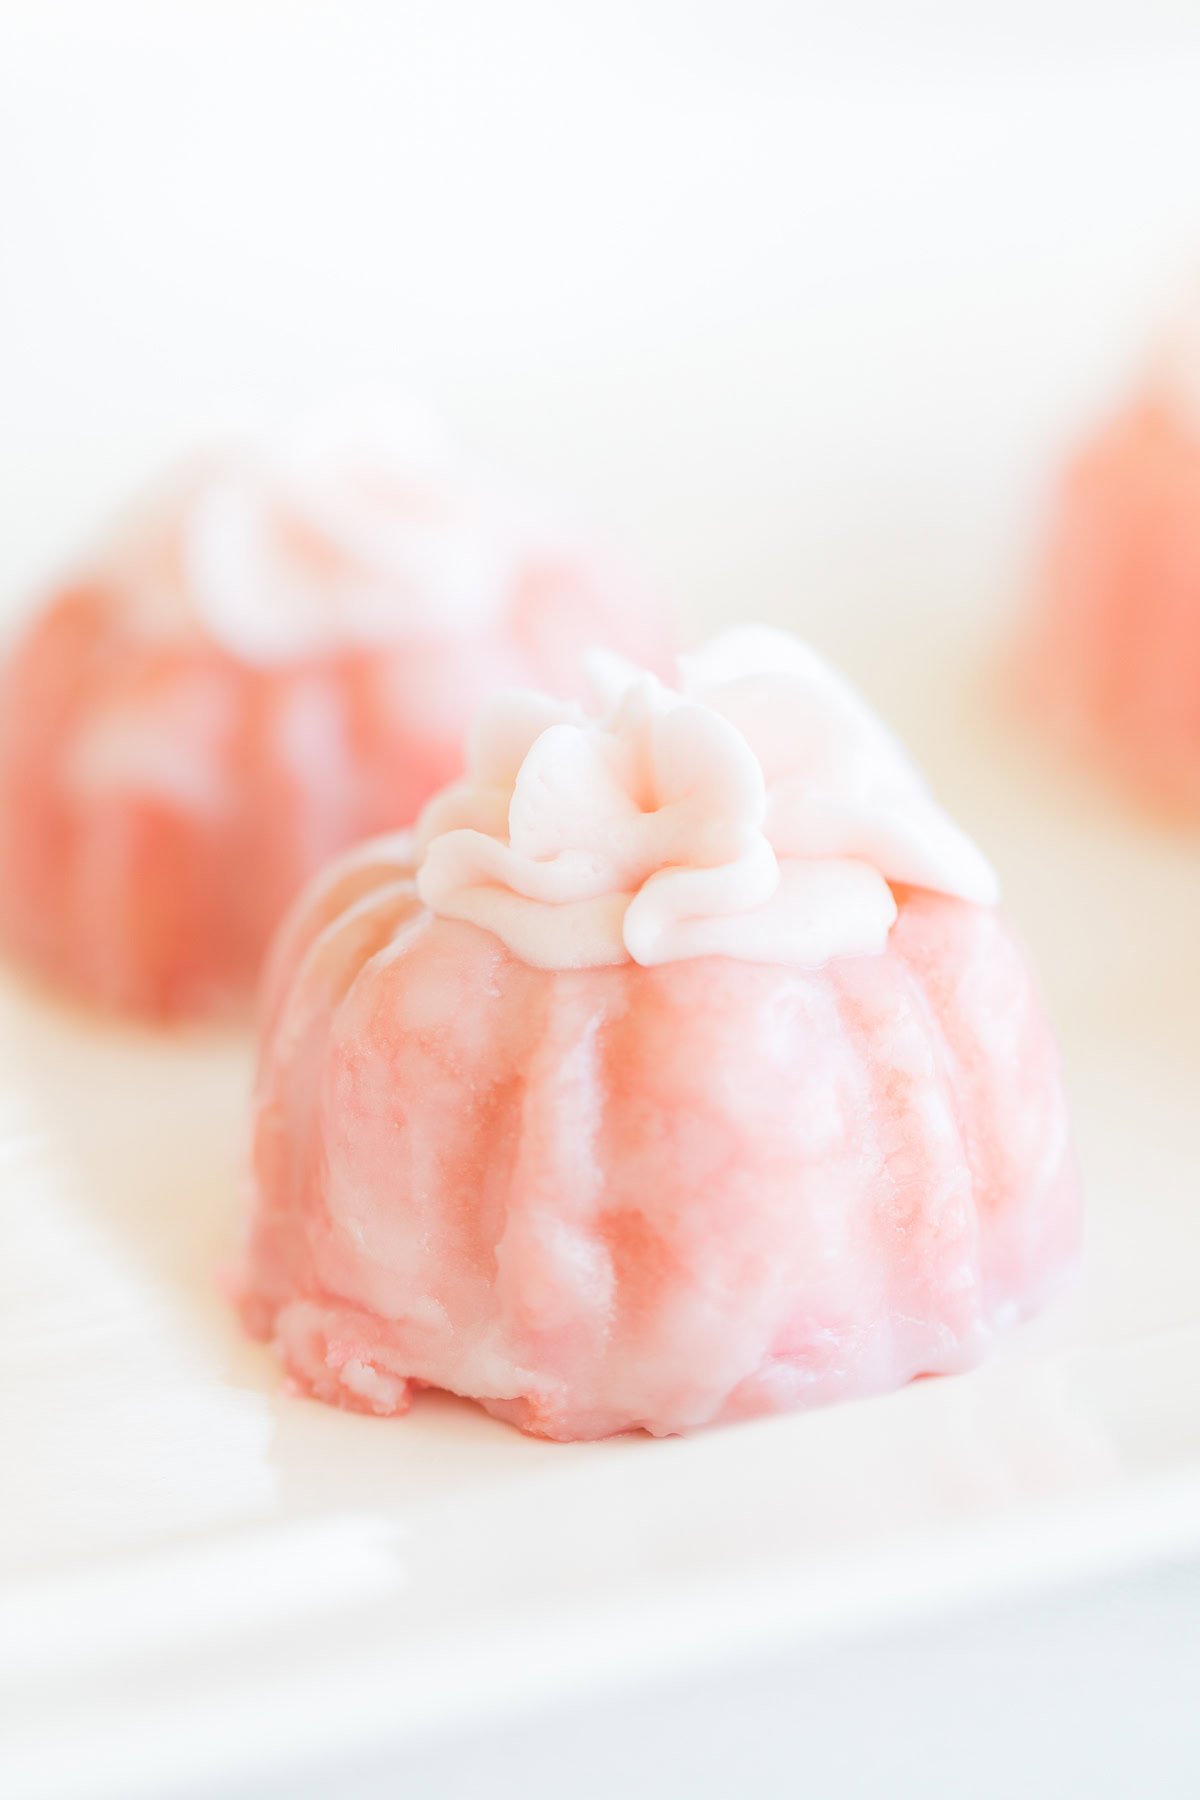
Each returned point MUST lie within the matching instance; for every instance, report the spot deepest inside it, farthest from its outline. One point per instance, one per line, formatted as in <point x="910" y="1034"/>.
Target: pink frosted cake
<point x="278" y="656"/>
<point x="1116" y="659"/>
<point x="679" y="1068"/>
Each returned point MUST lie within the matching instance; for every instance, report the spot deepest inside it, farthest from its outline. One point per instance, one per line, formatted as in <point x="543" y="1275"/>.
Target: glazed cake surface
<point x="1114" y="654"/>
<point x="626" y="1197"/>
<point x="609" y="1193"/>
<point x="276" y="657"/>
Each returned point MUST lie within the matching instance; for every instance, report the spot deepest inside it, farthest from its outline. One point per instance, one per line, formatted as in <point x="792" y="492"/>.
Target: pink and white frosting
<point x="760" y="811"/>
<point x="325" y="538"/>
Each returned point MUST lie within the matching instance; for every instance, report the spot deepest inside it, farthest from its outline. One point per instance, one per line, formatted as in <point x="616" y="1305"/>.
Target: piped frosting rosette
<point x="759" y="810"/>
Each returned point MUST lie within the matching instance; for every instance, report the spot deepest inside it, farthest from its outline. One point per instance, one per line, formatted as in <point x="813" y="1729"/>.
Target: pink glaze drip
<point x="619" y="1197"/>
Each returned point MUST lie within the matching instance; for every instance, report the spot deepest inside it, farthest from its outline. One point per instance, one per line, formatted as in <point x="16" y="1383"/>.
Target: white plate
<point x="208" y="1578"/>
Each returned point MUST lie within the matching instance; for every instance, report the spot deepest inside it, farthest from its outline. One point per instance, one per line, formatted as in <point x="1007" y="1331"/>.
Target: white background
<point x="797" y="299"/>
<point x="801" y="303"/>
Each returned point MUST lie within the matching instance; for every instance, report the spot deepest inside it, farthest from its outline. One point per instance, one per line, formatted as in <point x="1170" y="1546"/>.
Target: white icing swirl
<point x="762" y="812"/>
<point x="323" y="539"/>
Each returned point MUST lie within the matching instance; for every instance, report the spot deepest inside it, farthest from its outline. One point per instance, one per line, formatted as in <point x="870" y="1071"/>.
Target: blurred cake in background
<point x="679" y="1068"/>
<point x="1115" y="653"/>
<point x="276" y="654"/>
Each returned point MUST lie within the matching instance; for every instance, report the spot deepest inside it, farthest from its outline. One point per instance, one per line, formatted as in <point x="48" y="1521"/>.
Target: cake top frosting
<point x="326" y="536"/>
<point x="759" y="810"/>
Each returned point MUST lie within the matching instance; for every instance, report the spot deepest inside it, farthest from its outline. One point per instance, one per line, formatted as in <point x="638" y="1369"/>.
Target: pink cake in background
<point x="1115" y="659"/>
<point x="275" y="657"/>
<point x="678" y="1069"/>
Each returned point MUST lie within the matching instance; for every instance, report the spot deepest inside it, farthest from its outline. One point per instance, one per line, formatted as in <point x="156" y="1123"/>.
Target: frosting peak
<point x="326" y="538"/>
<point x="760" y="811"/>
